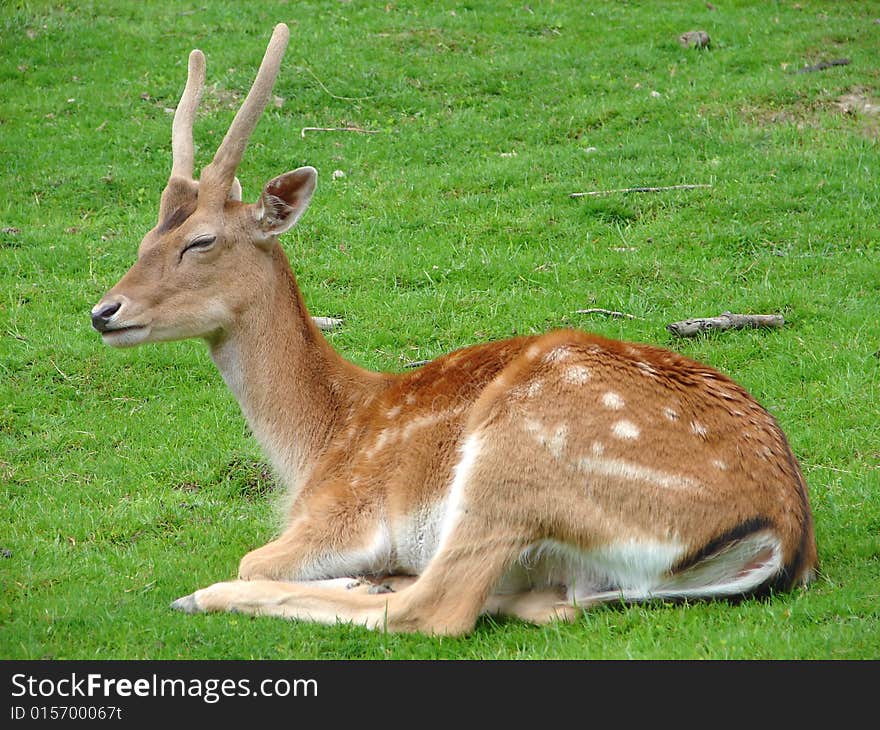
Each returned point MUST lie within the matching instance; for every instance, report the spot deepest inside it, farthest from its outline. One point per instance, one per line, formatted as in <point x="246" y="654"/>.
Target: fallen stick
<point x="606" y="312"/>
<point x="661" y="189"/>
<point x="416" y="363"/>
<point x="341" y="98"/>
<point x="303" y="131"/>
<point x="725" y="321"/>
<point x="822" y="65"/>
<point x="326" y="323"/>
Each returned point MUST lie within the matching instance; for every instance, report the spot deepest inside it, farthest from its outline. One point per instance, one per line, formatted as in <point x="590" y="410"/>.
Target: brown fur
<point x="479" y="479"/>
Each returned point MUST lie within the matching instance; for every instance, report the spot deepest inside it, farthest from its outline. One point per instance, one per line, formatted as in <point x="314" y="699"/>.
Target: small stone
<point x="338" y="174"/>
<point x="694" y="39"/>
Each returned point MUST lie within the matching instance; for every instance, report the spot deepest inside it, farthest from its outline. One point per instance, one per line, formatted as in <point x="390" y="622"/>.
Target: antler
<point x="218" y="176"/>
<point x="182" y="149"/>
<point x="181" y="182"/>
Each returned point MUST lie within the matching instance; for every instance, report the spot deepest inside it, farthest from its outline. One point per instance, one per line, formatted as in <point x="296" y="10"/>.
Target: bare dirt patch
<point x="858" y="104"/>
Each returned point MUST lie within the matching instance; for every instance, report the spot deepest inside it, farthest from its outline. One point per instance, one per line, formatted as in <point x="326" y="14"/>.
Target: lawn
<point x="129" y="477"/>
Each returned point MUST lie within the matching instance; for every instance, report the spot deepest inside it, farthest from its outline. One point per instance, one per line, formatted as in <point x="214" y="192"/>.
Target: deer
<point x="530" y="478"/>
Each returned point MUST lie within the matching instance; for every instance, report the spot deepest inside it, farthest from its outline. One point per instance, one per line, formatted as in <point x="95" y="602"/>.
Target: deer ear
<point x="284" y="200"/>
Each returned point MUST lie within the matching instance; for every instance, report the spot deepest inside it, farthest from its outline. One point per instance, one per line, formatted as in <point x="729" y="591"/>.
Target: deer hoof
<point x="380" y="588"/>
<point x="187" y="604"/>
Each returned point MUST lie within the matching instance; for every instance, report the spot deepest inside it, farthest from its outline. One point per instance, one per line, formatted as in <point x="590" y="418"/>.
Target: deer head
<point x="209" y="252"/>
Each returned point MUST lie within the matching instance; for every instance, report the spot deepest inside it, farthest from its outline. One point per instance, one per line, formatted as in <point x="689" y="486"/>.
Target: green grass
<point x="129" y="478"/>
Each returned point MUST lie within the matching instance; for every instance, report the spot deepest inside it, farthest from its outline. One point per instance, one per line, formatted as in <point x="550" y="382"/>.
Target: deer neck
<point x="294" y="390"/>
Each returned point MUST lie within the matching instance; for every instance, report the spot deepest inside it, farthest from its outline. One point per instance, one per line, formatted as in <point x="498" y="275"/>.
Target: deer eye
<point x="202" y="243"/>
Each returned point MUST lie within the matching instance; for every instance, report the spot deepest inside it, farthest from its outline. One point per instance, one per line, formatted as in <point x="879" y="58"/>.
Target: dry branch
<point x="822" y="65"/>
<point x="725" y="321"/>
<point x="337" y="129"/>
<point x="593" y="193"/>
<point x="335" y="96"/>
<point x="606" y="312"/>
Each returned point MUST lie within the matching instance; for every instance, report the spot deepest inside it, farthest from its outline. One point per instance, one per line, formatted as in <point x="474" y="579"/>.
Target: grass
<point x="129" y="478"/>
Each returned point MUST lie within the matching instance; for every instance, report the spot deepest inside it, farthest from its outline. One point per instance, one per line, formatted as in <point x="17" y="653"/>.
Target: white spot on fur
<point x="393" y="412"/>
<point x="576" y="374"/>
<point x="385" y="435"/>
<point x="428" y="420"/>
<point x="533" y="352"/>
<point x="534" y="388"/>
<point x="698" y="429"/>
<point x="720" y="465"/>
<point x="646" y="369"/>
<point x="558" y="354"/>
<point x="554" y="441"/>
<point x="557" y="441"/>
<point x="626" y="430"/>
<point x="613" y="401"/>
<point x="407" y="429"/>
<point x="630" y="471"/>
<point x="670" y="413"/>
<point x="598" y="448"/>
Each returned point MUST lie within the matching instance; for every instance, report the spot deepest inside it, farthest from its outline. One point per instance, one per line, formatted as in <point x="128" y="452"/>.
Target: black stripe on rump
<point x="779" y="582"/>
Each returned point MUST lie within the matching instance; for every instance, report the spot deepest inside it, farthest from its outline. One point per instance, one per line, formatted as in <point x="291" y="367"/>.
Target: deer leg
<point x="479" y="541"/>
<point x="446" y="599"/>
<point x="282" y="559"/>
<point x="310" y="548"/>
<point x="302" y="601"/>
<point x="537" y="607"/>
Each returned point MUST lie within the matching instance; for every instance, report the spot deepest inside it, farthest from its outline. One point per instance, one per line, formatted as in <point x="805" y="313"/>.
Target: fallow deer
<point x="532" y="477"/>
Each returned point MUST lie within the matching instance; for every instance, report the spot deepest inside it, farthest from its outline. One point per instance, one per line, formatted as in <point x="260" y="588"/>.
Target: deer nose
<point x="102" y="314"/>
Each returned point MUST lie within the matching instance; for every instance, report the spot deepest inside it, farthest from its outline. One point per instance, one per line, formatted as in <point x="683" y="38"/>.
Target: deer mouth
<point x="125" y="336"/>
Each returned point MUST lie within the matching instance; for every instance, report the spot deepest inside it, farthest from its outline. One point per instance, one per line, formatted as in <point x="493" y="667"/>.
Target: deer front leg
<point x="317" y="601"/>
<point x="321" y="543"/>
<point x="446" y="599"/>
<point x="326" y="551"/>
<point x="282" y="559"/>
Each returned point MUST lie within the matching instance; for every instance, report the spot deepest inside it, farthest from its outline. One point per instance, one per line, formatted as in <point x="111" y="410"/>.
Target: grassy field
<point x="129" y="477"/>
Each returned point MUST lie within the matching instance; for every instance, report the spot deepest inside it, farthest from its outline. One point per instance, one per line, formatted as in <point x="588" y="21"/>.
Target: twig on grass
<point x="725" y="321"/>
<point x="593" y="193"/>
<point x="822" y="65"/>
<point x="606" y="312"/>
<point x="337" y="129"/>
<point x="335" y="96"/>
